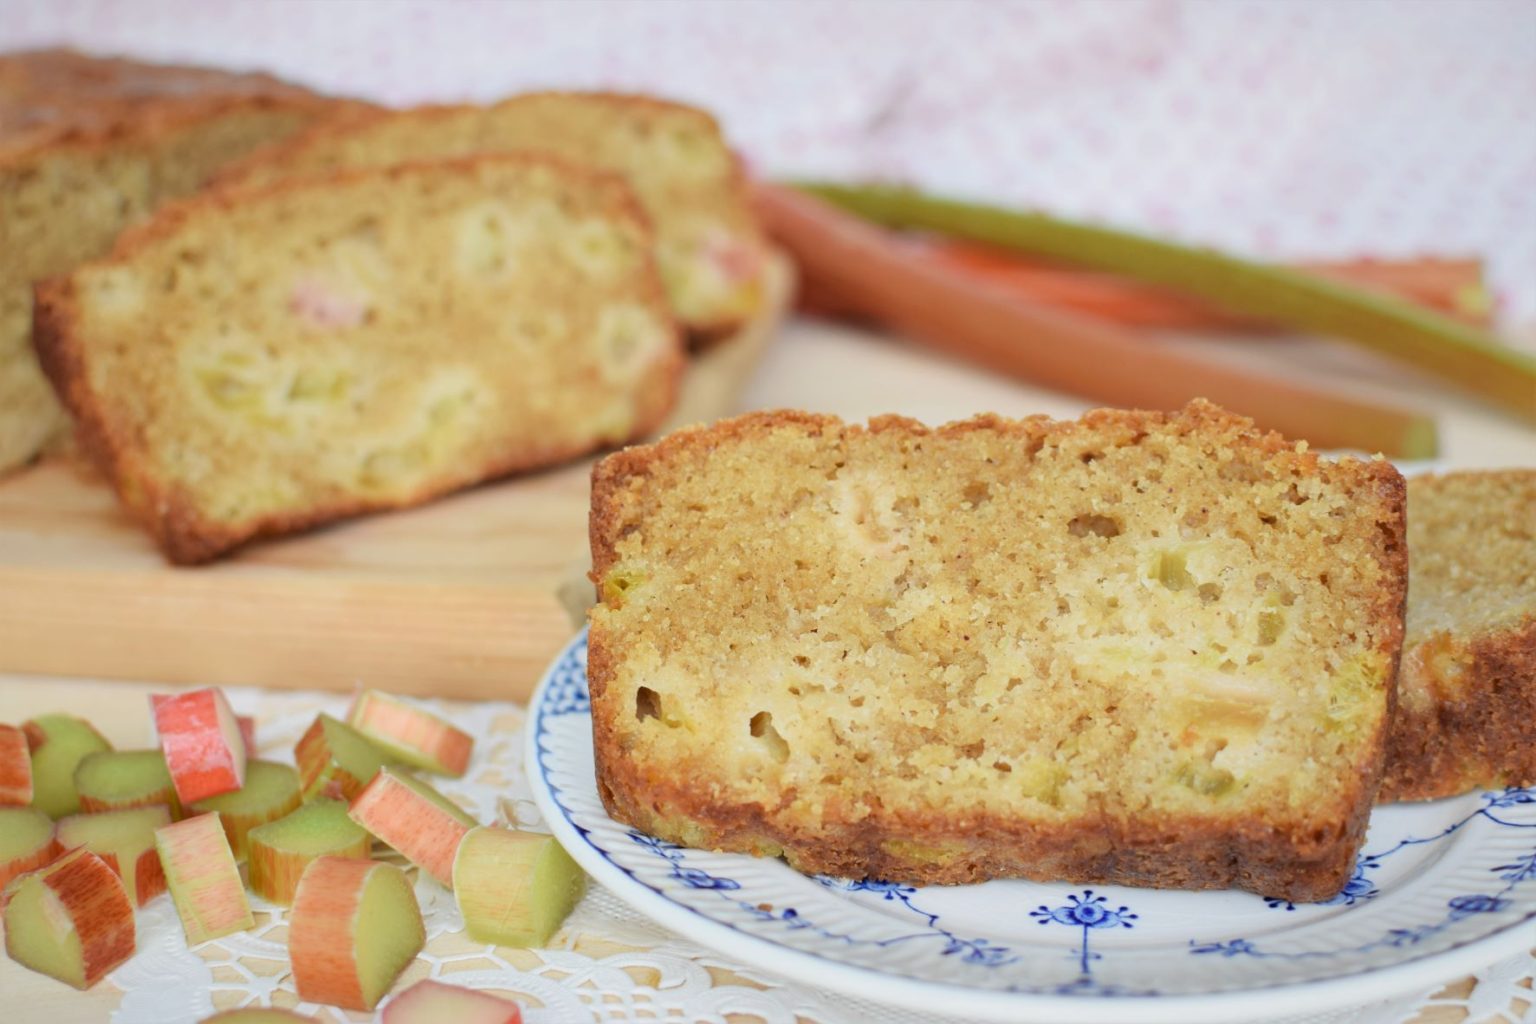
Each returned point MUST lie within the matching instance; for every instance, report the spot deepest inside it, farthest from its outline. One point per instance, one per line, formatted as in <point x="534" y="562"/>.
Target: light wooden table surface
<point x="825" y="367"/>
<point x="855" y="374"/>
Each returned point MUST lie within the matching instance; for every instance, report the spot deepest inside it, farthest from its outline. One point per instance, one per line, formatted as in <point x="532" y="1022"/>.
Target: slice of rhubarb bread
<point x="88" y="146"/>
<point x="253" y="363"/>
<point x="1137" y="648"/>
<point x="1466" y="714"/>
<point x="708" y="243"/>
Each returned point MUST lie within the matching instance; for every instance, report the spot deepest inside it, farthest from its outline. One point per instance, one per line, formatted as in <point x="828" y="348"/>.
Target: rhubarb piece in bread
<point x="88" y="146"/>
<point x="1466" y="712"/>
<point x="1138" y="648"/>
<point x="708" y="244"/>
<point x="256" y="363"/>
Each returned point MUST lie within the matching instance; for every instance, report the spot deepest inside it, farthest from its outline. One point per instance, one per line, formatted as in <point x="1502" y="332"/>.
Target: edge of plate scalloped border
<point x="915" y="994"/>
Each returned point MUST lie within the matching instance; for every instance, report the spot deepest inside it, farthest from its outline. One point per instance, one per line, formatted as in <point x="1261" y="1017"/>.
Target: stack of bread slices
<point x="89" y="146"/>
<point x="390" y="305"/>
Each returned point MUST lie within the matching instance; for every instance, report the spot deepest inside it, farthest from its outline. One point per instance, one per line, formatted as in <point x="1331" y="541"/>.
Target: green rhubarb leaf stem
<point x="1454" y="351"/>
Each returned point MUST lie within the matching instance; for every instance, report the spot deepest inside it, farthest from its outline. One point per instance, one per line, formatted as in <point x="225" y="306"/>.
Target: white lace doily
<point x="609" y="964"/>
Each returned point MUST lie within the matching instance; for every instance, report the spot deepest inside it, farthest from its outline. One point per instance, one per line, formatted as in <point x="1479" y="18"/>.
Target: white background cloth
<point x="1280" y="128"/>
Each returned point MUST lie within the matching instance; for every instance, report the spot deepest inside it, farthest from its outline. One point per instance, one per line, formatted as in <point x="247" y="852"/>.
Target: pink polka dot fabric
<point x="1275" y="128"/>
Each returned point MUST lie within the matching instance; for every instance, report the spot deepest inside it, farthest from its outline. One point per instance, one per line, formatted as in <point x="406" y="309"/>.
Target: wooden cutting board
<point x="468" y="597"/>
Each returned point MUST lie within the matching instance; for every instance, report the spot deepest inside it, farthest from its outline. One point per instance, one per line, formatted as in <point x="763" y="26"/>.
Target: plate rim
<point x="1371" y="985"/>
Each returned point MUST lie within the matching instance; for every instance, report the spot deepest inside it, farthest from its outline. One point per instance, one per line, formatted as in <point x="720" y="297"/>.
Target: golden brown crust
<point x="362" y="117"/>
<point x="62" y="100"/>
<point x="169" y="520"/>
<point x="170" y="515"/>
<point x="258" y="166"/>
<point x="170" y="217"/>
<point x="1468" y="678"/>
<point x="88" y="144"/>
<point x="74" y="75"/>
<point x="59" y="354"/>
<point x="1166" y="853"/>
<point x="1477" y="733"/>
<point x="1289" y="859"/>
<point x="110" y="129"/>
<point x="614" y="472"/>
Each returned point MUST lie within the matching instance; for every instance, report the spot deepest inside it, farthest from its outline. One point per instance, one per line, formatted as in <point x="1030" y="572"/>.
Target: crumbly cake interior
<point x="1472" y="538"/>
<point x="29" y="412"/>
<point x="64" y="204"/>
<point x="708" y="247"/>
<point x="1045" y="622"/>
<point x="367" y="341"/>
<point x="68" y="203"/>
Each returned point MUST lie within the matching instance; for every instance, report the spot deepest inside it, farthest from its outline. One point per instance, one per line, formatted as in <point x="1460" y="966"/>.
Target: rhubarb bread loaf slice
<point x="1466" y="713"/>
<point x="1137" y="648"/>
<point x="88" y="146"/>
<point x="252" y="364"/>
<point x="708" y="244"/>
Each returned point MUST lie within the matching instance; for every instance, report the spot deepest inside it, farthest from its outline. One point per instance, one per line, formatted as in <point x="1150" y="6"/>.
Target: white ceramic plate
<point x="1439" y="891"/>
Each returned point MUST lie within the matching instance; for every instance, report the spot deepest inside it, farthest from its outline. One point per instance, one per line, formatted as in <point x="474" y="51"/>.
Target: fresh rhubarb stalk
<point x="58" y="744"/>
<point x="1091" y="292"/>
<point x="432" y="1002"/>
<point x="271" y="790"/>
<point x="1454" y="351"/>
<point x="204" y="880"/>
<point x="514" y="888"/>
<point x="415" y="819"/>
<point x="15" y="767"/>
<point x="1454" y="287"/>
<point x="282" y="849"/>
<point x="258" y="1015"/>
<point x="354" y="927"/>
<point x="117" y="779"/>
<point x="126" y="841"/>
<point x="202" y="743"/>
<point x="71" y="920"/>
<point x="413" y="736"/>
<point x="950" y="310"/>
<point x="335" y="760"/>
<point x="26" y="841"/>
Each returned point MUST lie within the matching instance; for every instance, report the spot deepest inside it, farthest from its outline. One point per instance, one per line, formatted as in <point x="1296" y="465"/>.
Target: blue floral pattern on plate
<point x="889" y="941"/>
